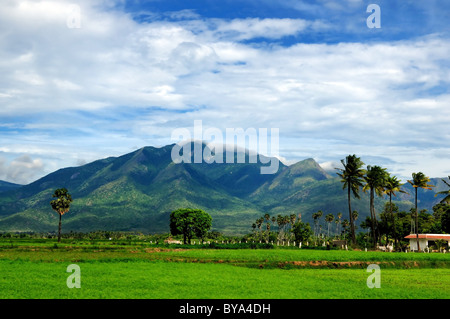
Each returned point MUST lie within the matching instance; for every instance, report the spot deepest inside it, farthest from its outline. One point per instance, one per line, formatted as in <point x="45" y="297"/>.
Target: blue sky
<point x="131" y="72"/>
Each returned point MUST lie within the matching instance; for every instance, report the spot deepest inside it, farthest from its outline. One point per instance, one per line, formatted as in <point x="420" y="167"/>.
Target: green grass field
<point x="37" y="269"/>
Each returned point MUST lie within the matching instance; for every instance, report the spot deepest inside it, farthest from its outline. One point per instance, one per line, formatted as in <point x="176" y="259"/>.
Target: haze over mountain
<point x="137" y="192"/>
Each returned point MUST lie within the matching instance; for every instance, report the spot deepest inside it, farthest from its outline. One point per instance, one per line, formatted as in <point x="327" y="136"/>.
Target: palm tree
<point x="351" y="177"/>
<point x="286" y="222"/>
<point x="268" y="232"/>
<point x="447" y="193"/>
<point x="292" y="219"/>
<point x="337" y="228"/>
<point x="375" y="180"/>
<point x="316" y="216"/>
<point x="280" y="223"/>
<point x="419" y="180"/>
<point x="61" y="205"/>
<point x="259" y="223"/>
<point x="345" y="224"/>
<point x="338" y="224"/>
<point x="392" y="186"/>
<point x="329" y="219"/>
<point x="267" y="219"/>
<point x="355" y="215"/>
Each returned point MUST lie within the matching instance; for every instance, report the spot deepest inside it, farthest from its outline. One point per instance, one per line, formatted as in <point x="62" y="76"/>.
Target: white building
<point x="424" y="240"/>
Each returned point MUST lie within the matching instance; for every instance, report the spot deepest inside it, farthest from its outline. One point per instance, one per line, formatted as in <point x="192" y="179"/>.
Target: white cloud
<point x="369" y="97"/>
<point x="21" y="170"/>
<point x="245" y="29"/>
<point x="330" y="166"/>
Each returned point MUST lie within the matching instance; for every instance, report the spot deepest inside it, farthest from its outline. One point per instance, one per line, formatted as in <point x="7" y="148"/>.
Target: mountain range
<point x="139" y="190"/>
<point x="6" y="186"/>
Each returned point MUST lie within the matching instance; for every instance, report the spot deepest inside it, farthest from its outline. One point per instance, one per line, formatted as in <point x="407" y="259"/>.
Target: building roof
<point x="430" y="236"/>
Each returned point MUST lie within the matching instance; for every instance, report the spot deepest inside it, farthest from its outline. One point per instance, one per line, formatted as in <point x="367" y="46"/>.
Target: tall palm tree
<point x="351" y="177"/>
<point x="392" y="186"/>
<point x="338" y="224"/>
<point x="61" y="205"/>
<point x="329" y="219"/>
<point x="286" y="222"/>
<point x="280" y="225"/>
<point x="419" y="180"/>
<point x="292" y="219"/>
<point x="267" y="219"/>
<point x="375" y="180"/>
<point x="316" y="216"/>
<point x="259" y="223"/>
<point x="447" y="193"/>
<point x="355" y="215"/>
<point x="345" y="224"/>
<point x="336" y="221"/>
<point x="268" y="232"/>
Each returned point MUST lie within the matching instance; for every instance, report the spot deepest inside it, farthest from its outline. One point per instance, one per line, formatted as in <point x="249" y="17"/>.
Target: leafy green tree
<point x="202" y="224"/>
<point x="375" y="179"/>
<point x="387" y="222"/>
<point x="426" y="222"/>
<point x="302" y="231"/>
<point x="419" y="180"/>
<point x="351" y="177"/>
<point x="61" y="205"/>
<point x="189" y="223"/>
<point x="445" y="220"/>
<point x="441" y="214"/>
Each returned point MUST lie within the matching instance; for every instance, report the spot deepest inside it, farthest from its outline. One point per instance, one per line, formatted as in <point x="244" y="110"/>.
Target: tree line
<point x="288" y="228"/>
<point x="378" y="182"/>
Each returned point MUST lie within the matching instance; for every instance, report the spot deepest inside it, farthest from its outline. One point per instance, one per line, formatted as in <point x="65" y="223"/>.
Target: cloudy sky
<point x="87" y="79"/>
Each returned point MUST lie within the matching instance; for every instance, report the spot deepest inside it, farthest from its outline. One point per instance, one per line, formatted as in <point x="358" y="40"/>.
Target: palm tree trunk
<point x="59" y="228"/>
<point x="352" y="226"/>
<point x="372" y="214"/>
<point x="393" y="221"/>
<point x="417" y="223"/>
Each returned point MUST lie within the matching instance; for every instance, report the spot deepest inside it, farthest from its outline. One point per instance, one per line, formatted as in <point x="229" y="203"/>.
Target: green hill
<point x="6" y="186"/>
<point x="137" y="191"/>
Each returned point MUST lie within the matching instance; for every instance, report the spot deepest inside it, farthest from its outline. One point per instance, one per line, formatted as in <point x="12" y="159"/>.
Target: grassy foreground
<point x="140" y="270"/>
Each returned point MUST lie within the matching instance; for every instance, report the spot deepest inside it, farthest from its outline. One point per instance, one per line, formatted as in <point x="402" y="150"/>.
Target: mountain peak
<point x="308" y="167"/>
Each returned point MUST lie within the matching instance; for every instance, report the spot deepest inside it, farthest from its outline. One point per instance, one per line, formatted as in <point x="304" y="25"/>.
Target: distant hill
<point x="137" y="191"/>
<point x="6" y="186"/>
